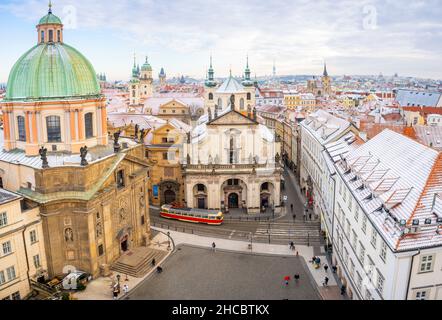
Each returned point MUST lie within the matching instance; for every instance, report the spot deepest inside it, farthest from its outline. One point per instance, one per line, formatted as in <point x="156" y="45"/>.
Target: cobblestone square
<point x="198" y="273"/>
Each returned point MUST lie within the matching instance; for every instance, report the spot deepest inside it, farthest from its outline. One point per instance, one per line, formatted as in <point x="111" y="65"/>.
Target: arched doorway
<point x="200" y="196"/>
<point x="169" y="196"/>
<point x="233" y="200"/>
<point x="125" y="243"/>
<point x="233" y="195"/>
<point x="267" y="195"/>
<point x="169" y="191"/>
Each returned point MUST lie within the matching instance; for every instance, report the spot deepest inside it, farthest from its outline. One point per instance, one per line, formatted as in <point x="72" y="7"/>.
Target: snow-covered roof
<point x="231" y="85"/>
<point x="395" y="180"/>
<point x="324" y="126"/>
<point x="19" y="157"/>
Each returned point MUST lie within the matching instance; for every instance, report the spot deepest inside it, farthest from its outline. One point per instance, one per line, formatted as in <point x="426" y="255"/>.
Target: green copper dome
<point x="50" y="19"/>
<point x="52" y="71"/>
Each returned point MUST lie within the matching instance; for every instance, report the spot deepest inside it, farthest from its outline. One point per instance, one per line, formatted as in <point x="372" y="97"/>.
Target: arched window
<point x="51" y="35"/>
<point x="249" y="96"/>
<point x="210" y="96"/>
<point x="220" y="103"/>
<point x="241" y="104"/>
<point x="89" y="125"/>
<point x="21" y="128"/>
<point x="54" y="129"/>
<point x="58" y="35"/>
<point x="42" y="36"/>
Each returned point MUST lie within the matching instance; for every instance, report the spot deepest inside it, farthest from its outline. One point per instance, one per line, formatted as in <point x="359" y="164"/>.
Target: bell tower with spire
<point x="249" y="87"/>
<point x="146" y="80"/>
<point x="209" y="89"/>
<point x="326" y="81"/>
<point x="134" y="85"/>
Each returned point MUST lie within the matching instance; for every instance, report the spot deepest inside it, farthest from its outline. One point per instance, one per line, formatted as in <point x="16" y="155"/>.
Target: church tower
<point x="162" y="77"/>
<point x="146" y="80"/>
<point x="134" y="86"/>
<point x="209" y="89"/>
<point x="326" y="81"/>
<point x="249" y="88"/>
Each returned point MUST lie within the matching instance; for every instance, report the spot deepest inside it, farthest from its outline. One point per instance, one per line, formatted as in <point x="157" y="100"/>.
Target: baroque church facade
<point x="230" y="160"/>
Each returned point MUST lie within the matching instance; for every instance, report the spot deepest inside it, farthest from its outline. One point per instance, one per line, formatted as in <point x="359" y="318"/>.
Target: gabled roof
<point x="237" y="119"/>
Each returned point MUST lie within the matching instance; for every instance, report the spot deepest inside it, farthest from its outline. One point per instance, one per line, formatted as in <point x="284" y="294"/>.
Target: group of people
<point x="306" y="212"/>
<point x="116" y="290"/>
<point x="296" y="277"/>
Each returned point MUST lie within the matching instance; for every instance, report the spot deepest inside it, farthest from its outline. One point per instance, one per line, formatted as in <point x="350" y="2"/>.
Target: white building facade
<point x="388" y="220"/>
<point x="316" y="173"/>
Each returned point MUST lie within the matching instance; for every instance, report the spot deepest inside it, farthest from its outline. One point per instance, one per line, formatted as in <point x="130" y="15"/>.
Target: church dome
<point x="51" y="71"/>
<point x="50" y="19"/>
<point x="146" y="66"/>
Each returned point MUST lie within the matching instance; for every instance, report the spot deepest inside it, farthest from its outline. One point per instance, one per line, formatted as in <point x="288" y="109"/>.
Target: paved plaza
<point x="199" y="273"/>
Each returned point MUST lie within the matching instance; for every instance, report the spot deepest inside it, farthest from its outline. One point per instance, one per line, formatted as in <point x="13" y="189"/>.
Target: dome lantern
<point x="50" y="28"/>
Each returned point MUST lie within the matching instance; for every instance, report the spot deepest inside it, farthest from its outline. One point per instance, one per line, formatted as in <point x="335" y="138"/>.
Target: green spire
<point x="247" y="71"/>
<point x="210" y="82"/>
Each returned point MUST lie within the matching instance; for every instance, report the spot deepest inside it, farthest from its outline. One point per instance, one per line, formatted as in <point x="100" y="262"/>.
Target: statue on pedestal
<point x="44" y="158"/>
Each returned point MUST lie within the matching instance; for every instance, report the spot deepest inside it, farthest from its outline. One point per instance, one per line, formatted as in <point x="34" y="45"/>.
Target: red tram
<point x="213" y="217"/>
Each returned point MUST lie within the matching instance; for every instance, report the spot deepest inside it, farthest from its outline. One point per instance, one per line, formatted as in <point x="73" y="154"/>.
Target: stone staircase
<point x="138" y="262"/>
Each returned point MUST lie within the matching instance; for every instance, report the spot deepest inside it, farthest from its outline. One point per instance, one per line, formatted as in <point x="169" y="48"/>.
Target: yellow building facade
<point x="22" y="251"/>
<point x="164" y="155"/>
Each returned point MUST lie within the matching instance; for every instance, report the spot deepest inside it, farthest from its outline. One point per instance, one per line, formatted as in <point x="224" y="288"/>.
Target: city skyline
<point x="369" y="37"/>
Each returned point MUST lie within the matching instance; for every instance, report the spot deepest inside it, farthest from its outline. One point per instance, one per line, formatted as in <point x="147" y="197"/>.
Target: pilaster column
<point x="80" y="125"/>
<point x="34" y="127"/>
<point x="67" y="124"/>
<point x="72" y="125"/>
<point x="103" y="120"/>
<point x="27" y="127"/>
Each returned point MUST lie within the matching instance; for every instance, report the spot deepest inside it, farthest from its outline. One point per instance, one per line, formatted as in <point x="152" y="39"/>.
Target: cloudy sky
<point x="354" y="37"/>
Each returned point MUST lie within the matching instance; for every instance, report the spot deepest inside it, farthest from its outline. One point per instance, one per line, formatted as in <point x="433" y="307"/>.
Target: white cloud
<point x="296" y="33"/>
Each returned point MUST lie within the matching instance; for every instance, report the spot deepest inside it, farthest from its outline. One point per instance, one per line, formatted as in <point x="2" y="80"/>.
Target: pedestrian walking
<point x="214" y="247"/>
<point x="296" y="276"/>
<point x="292" y="246"/>
<point x="297" y="253"/>
<point x="310" y="216"/>
<point x="291" y="207"/>
<point x="126" y="289"/>
<point x="334" y="268"/>
<point x="286" y="280"/>
<point x="153" y="262"/>
<point x="313" y="259"/>
<point x="294" y="216"/>
<point x="159" y="269"/>
<point x="325" y="267"/>
<point x="305" y="217"/>
<point x="343" y="290"/>
<point x="116" y="291"/>
<point x="325" y="284"/>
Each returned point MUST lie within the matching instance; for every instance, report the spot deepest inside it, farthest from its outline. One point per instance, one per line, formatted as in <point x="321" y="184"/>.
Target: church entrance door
<point x="169" y="196"/>
<point x="233" y="201"/>
<point x="125" y="244"/>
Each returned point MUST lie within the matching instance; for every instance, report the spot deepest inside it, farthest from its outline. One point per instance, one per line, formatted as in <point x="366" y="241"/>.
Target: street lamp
<point x="168" y="241"/>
